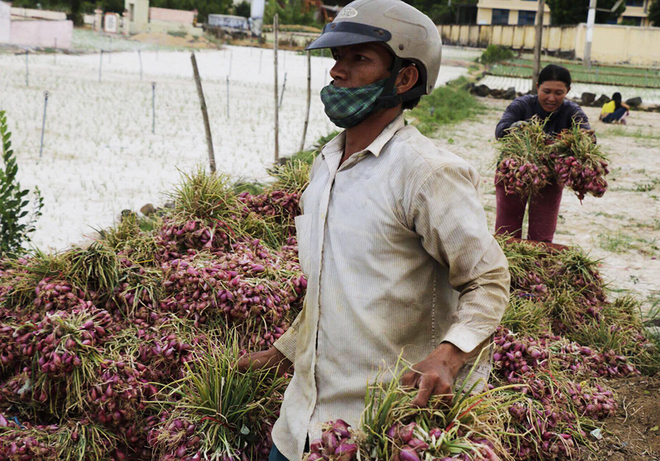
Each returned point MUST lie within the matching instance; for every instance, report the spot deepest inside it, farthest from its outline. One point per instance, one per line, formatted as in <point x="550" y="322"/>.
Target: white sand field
<point x="100" y="155"/>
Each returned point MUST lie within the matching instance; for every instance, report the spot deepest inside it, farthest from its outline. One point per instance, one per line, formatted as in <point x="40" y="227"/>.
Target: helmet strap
<point x="387" y="102"/>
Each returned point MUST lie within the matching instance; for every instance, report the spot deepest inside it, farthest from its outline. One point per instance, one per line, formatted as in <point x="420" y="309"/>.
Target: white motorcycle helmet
<point x="407" y="32"/>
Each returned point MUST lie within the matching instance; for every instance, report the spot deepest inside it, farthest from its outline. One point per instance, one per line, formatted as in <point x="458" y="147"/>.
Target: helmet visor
<point x="347" y="33"/>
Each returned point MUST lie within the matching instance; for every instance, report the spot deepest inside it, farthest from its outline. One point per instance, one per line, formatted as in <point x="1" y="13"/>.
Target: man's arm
<point x="449" y="217"/>
<point x="279" y="357"/>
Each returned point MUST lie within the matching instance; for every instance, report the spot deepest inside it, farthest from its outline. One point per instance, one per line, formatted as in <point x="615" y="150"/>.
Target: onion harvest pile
<point x="530" y="160"/>
<point x="524" y="153"/>
<point x="126" y="350"/>
<point x="579" y="163"/>
<point x="560" y="340"/>
<point x="129" y="346"/>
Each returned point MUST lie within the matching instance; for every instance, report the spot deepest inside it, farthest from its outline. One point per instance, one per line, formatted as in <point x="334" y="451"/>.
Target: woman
<point x="615" y="110"/>
<point x="550" y="105"/>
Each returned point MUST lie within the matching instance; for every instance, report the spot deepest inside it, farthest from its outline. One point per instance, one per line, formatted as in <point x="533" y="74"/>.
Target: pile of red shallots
<point x="530" y="160"/>
<point x="112" y="347"/>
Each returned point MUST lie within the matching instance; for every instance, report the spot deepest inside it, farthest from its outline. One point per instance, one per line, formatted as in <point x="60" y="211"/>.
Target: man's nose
<point x="338" y="71"/>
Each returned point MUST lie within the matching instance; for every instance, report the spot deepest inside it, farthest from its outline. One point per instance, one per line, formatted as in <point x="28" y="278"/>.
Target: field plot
<point x="612" y="75"/>
<point x="100" y="155"/>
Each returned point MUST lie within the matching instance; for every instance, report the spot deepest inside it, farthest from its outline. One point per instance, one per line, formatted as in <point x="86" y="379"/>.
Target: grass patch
<point x="611" y="216"/>
<point x="446" y="105"/>
<point x="628" y="133"/>
<point x="641" y="186"/>
<point x="616" y="242"/>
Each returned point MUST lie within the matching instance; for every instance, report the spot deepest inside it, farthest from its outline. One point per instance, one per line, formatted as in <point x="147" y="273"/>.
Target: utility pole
<point x="538" y="44"/>
<point x="591" y="19"/>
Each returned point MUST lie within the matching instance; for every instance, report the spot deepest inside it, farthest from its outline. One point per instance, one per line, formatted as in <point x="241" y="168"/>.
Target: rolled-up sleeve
<point x="450" y="219"/>
<point x="287" y="343"/>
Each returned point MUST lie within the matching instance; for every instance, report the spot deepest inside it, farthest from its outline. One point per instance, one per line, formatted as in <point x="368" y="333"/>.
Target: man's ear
<point x="406" y="79"/>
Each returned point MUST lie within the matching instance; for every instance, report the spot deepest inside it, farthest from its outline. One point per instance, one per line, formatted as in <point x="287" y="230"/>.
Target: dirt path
<point x="622" y="229"/>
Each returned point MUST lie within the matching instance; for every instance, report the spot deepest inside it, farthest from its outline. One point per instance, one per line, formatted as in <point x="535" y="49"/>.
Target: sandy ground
<point x="621" y="229"/>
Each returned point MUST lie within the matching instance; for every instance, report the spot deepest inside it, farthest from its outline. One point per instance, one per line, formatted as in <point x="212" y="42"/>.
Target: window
<point x="526" y="18"/>
<point x="634" y="2"/>
<point x="631" y="21"/>
<point x="500" y="17"/>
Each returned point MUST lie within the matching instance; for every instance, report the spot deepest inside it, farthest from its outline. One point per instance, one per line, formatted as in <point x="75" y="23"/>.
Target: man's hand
<point x="271" y="359"/>
<point x="435" y="375"/>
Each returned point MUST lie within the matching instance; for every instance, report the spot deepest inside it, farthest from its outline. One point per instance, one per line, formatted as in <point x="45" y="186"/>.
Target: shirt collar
<point x="384" y="137"/>
<point x="336" y="146"/>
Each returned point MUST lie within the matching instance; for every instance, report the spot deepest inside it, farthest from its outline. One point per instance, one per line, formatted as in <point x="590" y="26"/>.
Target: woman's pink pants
<point x="543" y="213"/>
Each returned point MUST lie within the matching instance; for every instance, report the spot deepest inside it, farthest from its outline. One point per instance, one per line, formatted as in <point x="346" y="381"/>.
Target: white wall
<point x="5" y="22"/>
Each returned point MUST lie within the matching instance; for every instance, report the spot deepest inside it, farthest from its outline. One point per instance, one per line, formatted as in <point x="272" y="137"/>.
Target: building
<point x="636" y="13"/>
<point x="143" y="18"/>
<point x="138" y="15"/>
<point x="5" y="22"/>
<point x="510" y="12"/>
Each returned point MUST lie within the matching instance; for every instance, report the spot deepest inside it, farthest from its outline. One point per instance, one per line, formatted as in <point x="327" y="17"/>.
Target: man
<point x="393" y="239"/>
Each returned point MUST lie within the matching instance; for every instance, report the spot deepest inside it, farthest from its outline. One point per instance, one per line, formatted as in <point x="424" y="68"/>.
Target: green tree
<point x="568" y="12"/>
<point x="440" y="11"/>
<point x="654" y="13"/>
<point x="289" y="12"/>
<point x="242" y="9"/>
<point x="76" y="12"/>
<point x="14" y="231"/>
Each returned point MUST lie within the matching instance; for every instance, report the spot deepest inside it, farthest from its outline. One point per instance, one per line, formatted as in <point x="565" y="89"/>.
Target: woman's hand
<point x="270" y="359"/>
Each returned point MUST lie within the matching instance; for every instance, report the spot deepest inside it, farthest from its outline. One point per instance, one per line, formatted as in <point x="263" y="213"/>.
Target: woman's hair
<point x="553" y="72"/>
<point x="616" y="97"/>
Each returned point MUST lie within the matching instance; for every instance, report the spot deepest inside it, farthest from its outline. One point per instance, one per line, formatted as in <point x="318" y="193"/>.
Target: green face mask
<point x="346" y="107"/>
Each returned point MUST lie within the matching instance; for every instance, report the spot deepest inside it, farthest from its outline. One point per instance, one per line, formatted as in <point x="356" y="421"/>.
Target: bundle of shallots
<point x="523" y="164"/>
<point x="579" y="163"/>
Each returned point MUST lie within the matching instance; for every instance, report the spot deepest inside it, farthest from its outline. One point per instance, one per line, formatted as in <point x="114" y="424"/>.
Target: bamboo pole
<point x="275" y="91"/>
<point x="153" y="107"/>
<point x="202" y="102"/>
<point x="309" y="99"/>
<point x="100" y="65"/>
<point x="43" y="125"/>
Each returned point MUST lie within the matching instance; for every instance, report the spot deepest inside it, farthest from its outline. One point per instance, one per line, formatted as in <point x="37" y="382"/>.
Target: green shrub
<point x="290" y="13"/>
<point x="495" y="53"/>
<point x="13" y="202"/>
<point x="447" y="104"/>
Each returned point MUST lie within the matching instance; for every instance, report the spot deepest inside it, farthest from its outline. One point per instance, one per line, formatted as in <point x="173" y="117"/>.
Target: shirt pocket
<point x="304" y="238"/>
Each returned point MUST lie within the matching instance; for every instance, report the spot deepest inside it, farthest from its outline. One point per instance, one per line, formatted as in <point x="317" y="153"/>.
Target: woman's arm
<point x="514" y="113"/>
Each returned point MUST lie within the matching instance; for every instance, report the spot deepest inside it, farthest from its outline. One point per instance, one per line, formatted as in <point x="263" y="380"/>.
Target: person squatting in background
<point x="552" y="107"/>
<point x="615" y="111"/>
